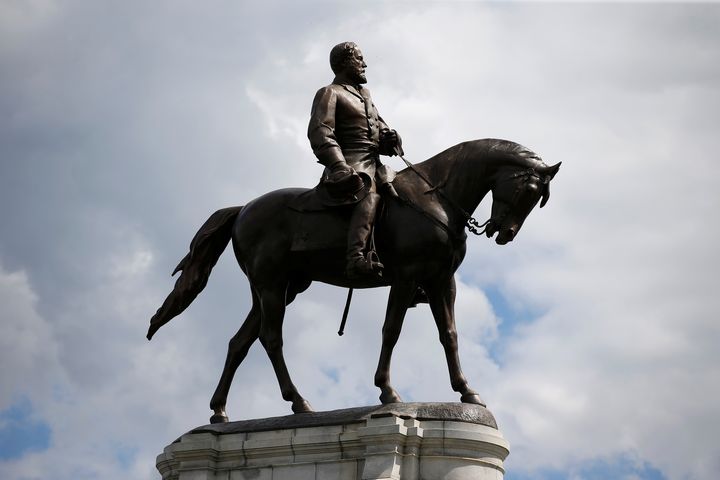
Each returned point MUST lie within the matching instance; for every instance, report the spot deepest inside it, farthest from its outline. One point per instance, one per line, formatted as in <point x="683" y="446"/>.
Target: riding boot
<point x="361" y="223"/>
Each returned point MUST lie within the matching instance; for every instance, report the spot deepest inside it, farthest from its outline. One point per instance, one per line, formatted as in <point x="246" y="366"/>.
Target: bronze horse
<point x="419" y="237"/>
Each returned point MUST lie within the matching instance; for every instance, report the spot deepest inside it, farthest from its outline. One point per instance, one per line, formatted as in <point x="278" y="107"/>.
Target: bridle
<point x="526" y="175"/>
<point x="470" y="222"/>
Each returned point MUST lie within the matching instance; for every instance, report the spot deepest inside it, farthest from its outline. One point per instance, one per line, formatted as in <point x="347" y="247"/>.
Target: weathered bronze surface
<point x="285" y="240"/>
<point x="347" y="136"/>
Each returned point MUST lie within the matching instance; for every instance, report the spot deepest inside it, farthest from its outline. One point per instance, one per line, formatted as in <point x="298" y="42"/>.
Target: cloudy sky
<point x="594" y="337"/>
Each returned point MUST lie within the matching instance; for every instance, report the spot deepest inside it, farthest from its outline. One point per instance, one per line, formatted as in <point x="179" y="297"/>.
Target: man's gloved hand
<point x="343" y="180"/>
<point x="341" y="166"/>
<point x="390" y="142"/>
<point x="340" y="171"/>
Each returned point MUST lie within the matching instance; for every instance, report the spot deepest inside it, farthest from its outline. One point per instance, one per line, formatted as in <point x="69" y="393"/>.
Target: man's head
<point x="346" y="60"/>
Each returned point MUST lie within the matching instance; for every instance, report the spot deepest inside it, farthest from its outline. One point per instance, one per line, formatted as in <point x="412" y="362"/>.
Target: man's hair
<point x="339" y="55"/>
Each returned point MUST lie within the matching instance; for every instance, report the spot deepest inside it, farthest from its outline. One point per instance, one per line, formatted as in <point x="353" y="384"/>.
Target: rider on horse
<point x="347" y="136"/>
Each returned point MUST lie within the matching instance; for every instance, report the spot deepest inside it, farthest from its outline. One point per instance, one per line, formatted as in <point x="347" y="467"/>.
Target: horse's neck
<point x="462" y="172"/>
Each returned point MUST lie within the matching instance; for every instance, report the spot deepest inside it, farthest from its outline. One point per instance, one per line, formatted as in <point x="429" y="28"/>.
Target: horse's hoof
<point x="219" y="418"/>
<point x="472" y="398"/>
<point x="391" y="397"/>
<point x="302" y="407"/>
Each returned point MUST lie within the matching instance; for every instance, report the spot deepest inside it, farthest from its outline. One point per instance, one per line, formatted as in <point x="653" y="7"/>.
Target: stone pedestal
<point x="404" y="441"/>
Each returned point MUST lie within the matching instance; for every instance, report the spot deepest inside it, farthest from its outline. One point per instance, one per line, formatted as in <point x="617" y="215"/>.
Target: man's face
<point x="355" y="67"/>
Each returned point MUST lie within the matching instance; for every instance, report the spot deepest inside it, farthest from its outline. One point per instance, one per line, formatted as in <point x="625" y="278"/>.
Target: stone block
<point x="251" y="474"/>
<point x="347" y="470"/>
<point x="317" y="444"/>
<point x="439" y="468"/>
<point x="304" y="471"/>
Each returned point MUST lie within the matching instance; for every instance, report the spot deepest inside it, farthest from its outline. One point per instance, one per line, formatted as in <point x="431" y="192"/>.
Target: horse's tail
<point x="205" y="250"/>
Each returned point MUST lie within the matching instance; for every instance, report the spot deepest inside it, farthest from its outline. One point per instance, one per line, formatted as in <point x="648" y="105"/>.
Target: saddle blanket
<point x="317" y="226"/>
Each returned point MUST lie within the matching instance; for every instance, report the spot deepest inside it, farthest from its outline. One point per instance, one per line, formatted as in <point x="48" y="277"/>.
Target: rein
<point x="470" y="222"/>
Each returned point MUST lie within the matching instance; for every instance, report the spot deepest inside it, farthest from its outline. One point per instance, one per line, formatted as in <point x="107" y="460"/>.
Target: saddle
<point x="323" y="214"/>
<point x="322" y="222"/>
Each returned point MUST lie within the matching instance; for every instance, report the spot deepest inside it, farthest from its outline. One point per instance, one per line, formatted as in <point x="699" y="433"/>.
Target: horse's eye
<point x="531" y="187"/>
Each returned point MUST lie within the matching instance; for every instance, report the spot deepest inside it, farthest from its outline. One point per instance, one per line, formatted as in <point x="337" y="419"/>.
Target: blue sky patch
<point x="125" y="456"/>
<point x="332" y="373"/>
<point x="20" y="433"/>
<point x="619" y="467"/>
<point x="510" y="315"/>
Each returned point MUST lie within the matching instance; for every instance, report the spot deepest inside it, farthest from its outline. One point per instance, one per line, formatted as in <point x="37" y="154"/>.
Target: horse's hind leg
<point x="442" y="303"/>
<point x="399" y="300"/>
<point x="272" y="303"/>
<point x="237" y="350"/>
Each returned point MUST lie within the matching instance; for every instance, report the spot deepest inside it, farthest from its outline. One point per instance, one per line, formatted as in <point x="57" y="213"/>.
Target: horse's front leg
<point x="398" y="302"/>
<point x="441" y="295"/>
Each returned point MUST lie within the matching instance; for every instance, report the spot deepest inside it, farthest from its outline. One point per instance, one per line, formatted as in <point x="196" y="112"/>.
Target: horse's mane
<point x="509" y="149"/>
<point x="489" y="148"/>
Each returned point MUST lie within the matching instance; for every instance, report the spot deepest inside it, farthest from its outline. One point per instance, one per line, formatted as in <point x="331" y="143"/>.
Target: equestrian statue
<point x="363" y="226"/>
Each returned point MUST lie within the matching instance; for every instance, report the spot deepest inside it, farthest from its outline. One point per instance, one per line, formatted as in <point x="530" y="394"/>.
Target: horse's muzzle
<point x="505" y="236"/>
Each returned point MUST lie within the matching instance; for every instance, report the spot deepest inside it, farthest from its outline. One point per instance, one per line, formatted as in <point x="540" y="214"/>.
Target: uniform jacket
<point x="345" y="125"/>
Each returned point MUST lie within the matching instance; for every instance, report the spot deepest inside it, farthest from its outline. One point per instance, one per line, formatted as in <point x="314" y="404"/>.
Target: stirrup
<point x="364" y="266"/>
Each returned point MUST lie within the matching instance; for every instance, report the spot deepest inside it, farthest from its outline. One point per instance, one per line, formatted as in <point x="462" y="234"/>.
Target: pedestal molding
<point x="397" y="442"/>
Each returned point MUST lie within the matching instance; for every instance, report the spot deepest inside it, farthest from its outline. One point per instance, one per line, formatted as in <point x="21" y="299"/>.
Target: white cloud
<point x="28" y="349"/>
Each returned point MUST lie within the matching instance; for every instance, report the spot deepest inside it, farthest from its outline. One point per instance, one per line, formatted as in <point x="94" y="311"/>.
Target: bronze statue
<point x="286" y="239"/>
<point x="347" y="134"/>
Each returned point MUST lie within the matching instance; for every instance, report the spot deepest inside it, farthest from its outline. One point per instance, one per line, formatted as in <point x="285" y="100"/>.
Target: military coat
<point x="345" y="125"/>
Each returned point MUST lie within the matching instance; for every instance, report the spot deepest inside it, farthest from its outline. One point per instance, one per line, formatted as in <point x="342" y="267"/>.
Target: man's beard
<point x="359" y="77"/>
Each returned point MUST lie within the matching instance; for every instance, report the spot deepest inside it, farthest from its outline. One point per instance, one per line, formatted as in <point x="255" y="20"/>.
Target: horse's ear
<point x="545" y="194"/>
<point x="548" y="174"/>
<point x="550" y="171"/>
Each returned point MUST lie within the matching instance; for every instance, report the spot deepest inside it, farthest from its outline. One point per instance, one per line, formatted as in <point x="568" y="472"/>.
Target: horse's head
<point x="518" y="188"/>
